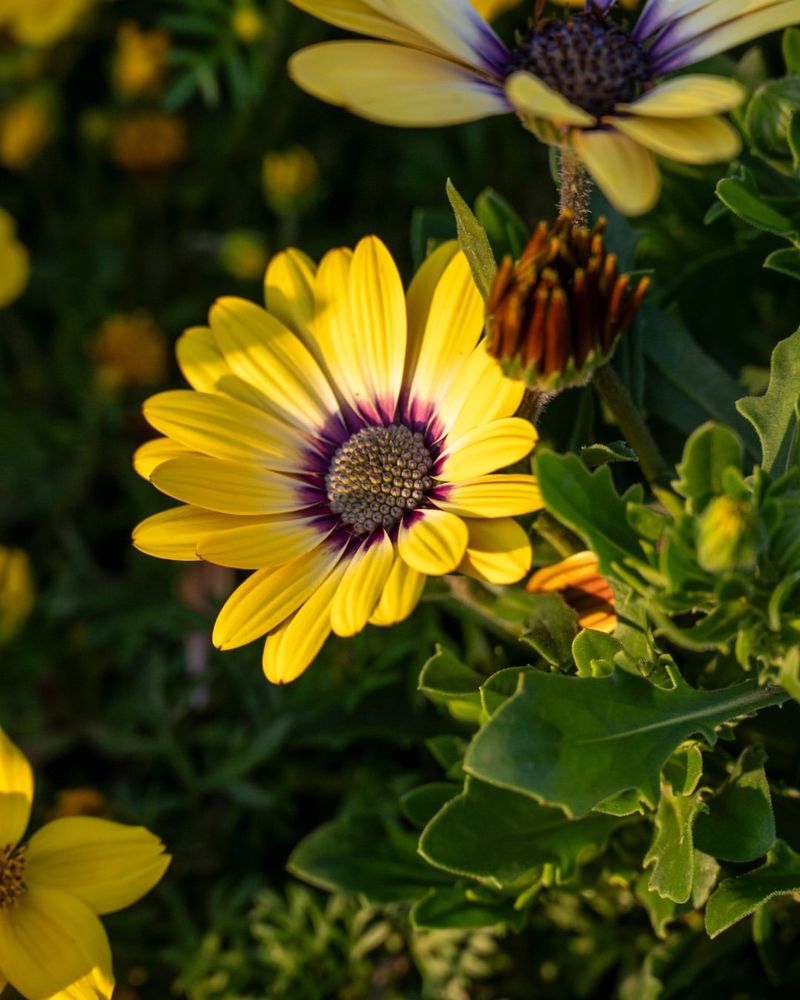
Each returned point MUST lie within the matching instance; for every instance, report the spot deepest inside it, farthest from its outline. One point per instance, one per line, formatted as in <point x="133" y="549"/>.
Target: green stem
<point x="460" y="593"/>
<point x="613" y="393"/>
<point x="576" y="186"/>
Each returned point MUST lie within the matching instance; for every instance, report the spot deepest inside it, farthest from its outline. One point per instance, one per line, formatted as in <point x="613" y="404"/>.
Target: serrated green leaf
<point x="594" y="455"/>
<point x="487" y="832"/>
<point x="464" y="908"/>
<point x="594" y="652"/>
<point x="774" y="415"/>
<point x="550" y="628"/>
<point x="740" y="824"/>
<point x="710" y="450"/>
<point x="663" y="911"/>
<point x="500" y="687"/>
<point x="738" y="897"/>
<point x="684" y="769"/>
<point x="751" y="207"/>
<point x="576" y="741"/>
<point x="445" y="680"/>
<point x="672" y="850"/>
<point x="420" y="805"/>
<point x="474" y="242"/>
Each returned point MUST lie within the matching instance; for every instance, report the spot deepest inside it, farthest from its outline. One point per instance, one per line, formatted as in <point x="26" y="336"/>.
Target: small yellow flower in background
<point x="342" y="443"/>
<point x="79" y="802"/>
<point x="290" y="179"/>
<point x="26" y="126"/>
<point x="17" y="591"/>
<point x="148" y="142"/>
<point x="243" y="254"/>
<point x="15" y="265"/>
<point x="140" y="62"/>
<point x="586" y="84"/>
<point x="130" y="349"/>
<point x="248" y="23"/>
<point x="42" y="22"/>
<point x="578" y="580"/>
<point x="54" y="888"/>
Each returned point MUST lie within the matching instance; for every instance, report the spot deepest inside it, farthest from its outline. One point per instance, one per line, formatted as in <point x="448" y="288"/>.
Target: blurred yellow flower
<point x="26" y="126"/>
<point x="53" y="889"/>
<point x="79" y="802"/>
<point x="130" y="349"/>
<point x="248" y="23"/>
<point x="243" y="254"/>
<point x="17" y="591"/>
<point x="140" y="62"/>
<point x="148" y="141"/>
<point x="290" y="179"/>
<point x="41" y="22"/>
<point x="578" y="580"/>
<point x="15" y="267"/>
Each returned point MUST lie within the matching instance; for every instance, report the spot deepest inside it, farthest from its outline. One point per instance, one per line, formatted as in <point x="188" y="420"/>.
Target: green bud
<point x="768" y="121"/>
<point x="728" y="536"/>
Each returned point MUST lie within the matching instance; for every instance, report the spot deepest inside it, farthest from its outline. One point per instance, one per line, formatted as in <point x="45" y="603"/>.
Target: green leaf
<point x="684" y="769"/>
<point x="420" y="805"/>
<point x="500" y="687"/>
<point x="474" y="242"/>
<point x="576" y="741"/>
<point x="601" y="454"/>
<point x="710" y="450"/>
<point x="774" y="415"/>
<point x="507" y="233"/>
<point x="786" y="260"/>
<point x="550" y="628"/>
<point x="365" y="853"/>
<point x="661" y="910"/>
<point x="464" y="908"/>
<point x="672" y="850"/>
<point x="750" y="207"/>
<point x="488" y="832"/>
<point x="738" y="897"/>
<point x="790" y="43"/>
<point x="588" y="503"/>
<point x="739" y="825"/>
<point x="445" y="680"/>
<point x="594" y="653"/>
<point x="448" y="751"/>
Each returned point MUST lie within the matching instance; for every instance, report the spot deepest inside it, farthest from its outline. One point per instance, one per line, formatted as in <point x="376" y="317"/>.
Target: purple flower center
<point x="588" y="59"/>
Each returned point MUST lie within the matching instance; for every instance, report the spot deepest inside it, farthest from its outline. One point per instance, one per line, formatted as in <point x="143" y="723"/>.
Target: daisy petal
<point x="291" y="647"/>
<point x="689" y="140"/>
<point x="479" y="394"/>
<point x="16" y="791"/>
<point x="534" y="99"/>
<point x="106" y="865"/>
<point x="420" y="295"/>
<point x="269" y="596"/>
<point x="401" y="594"/>
<point x="395" y="86"/>
<point x="492" y="496"/>
<point x="151" y="454"/>
<point x="200" y="359"/>
<point x="691" y="96"/>
<point x="626" y="173"/>
<point x="498" y="551"/>
<point x="433" y="543"/>
<point x="289" y="291"/>
<point x="490" y="9"/>
<point x="485" y="448"/>
<point x="173" y="534"/>
<point x="365" y="17"/>
<point x="227" y="487"/>
<point x="257" y="546"/>
<point x="51" y="941"/>
<point x="361" y="586"/>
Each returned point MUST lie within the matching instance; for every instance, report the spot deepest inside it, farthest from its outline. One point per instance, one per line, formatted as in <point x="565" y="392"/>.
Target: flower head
<point x="586" y="83"/>
<point x="53" y="889"/>
<point x="579" y="582"/>
<point x="15" y="265"/>
<point x="342" y="444"/>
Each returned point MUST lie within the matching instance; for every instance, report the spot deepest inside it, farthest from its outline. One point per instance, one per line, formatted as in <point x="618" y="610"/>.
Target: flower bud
<point x="728" y="536"/>
<point x="767" y="121"/>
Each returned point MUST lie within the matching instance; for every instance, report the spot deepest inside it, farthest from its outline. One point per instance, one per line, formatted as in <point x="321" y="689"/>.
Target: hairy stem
<point x="576" y="186"/>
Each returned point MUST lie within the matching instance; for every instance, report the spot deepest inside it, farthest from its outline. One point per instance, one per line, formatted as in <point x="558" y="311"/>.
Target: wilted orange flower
<point x="130" y="349"/>
<point x="148" y="142"/>
<point x="579" y="582"/>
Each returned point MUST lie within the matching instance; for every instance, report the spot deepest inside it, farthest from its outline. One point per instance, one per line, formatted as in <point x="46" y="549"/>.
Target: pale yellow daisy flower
<point x="41" y="22"/>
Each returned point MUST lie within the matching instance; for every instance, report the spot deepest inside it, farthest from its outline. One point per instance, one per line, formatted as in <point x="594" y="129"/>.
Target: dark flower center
<point x="378" y="475"/>
<point x="588" y="59"/>
<point x="12" y="869"/>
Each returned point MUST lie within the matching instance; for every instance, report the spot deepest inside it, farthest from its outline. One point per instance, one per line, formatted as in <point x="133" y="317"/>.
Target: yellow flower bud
<point x="243" y="254"/>
<point x="130" y="350"/>
<point x="26" y="126"/>
<point x="290" y="179"/>
<point x="248" y="23"/>
<point x="140" y="62"/>
<point x="728" y="536"/>
<point x="14" y="261"/>
<point x="17" y="592"/>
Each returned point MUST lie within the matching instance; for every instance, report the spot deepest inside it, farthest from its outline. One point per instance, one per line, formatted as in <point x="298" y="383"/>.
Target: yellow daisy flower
<point x="341" y="443"/>
<point x="584" y="83"/>
<point x="41" y="22"/>
<point x="52" y="944"/>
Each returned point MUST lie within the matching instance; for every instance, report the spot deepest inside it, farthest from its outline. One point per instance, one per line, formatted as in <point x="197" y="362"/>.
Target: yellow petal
<point x="361" y="586"/>
<point x="16" y="792"/>
<point x="570" y="572"/>
<point x="200" y="359"/>
<point x="626" y="173"/>
<point x="256" y="546"/>
<point x="453" y="326"/>
<point x="434" y="543"/>
<point x="224" y="428"/>
<point x="289" y="290"/>
<point x="420" y="295"/>
<point x="498" y="551"/>
<point x="395" y="86"/>
<point x="360" y="16"/>
<point x="690" y="96"/>
<point x="379" y="315"/>
<point x="534" y="99"/>
<point x="455" y="27"/>
<point x="269" y="596"/>
<point x="292" y="647"/>
<point x="479" y="394"/>
<point x="490" y="9"/>
<point x="51" y="942"/>
<point x="151" y="454"/>
<point x="174" y="534"/>
<point x="493" y="496"/>
<point x="401" y="594"/>
<point x="227" y="487"/>
<point x="689" y="140"/>
<point x="262" y="351"/>
<point x="107" y="865"/>
<point x="491" y="446"/>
